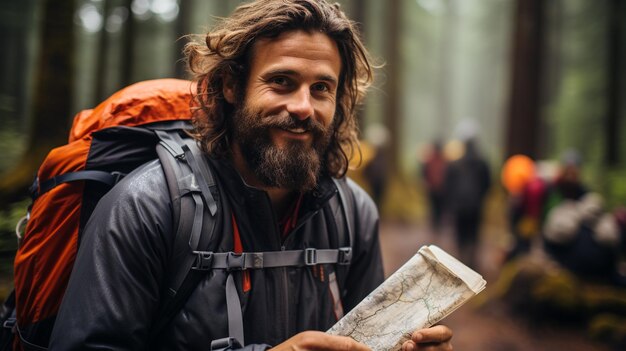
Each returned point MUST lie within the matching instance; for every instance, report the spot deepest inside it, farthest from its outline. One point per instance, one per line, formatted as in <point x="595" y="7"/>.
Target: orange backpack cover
<point x="46" y="254"/>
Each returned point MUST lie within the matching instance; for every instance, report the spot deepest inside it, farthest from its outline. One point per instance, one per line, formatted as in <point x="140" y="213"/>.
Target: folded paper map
<point x="423" y="291"/>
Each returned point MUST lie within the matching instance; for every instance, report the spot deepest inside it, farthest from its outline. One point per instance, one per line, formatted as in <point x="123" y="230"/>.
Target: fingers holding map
<point x="430" y="286"/>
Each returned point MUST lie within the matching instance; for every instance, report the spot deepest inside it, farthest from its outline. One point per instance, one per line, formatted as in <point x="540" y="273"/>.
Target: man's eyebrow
<point x="290" y="72"/>
<point x="327" y="78"/>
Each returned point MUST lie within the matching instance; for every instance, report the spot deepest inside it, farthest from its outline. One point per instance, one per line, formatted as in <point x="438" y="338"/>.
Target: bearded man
<point x="278" y="83"/>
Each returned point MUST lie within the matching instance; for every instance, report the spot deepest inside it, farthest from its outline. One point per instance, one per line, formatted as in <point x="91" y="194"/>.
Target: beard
<point x="296" y="164"/>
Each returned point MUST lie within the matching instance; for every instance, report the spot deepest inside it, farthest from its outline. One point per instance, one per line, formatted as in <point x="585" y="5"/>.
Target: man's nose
<point x="300" y="104"/>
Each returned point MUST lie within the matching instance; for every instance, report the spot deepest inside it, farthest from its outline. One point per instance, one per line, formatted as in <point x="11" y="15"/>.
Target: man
<point x="278" y="83"/>
<point x="467" y="181"/>
<point x="433" y="174"/>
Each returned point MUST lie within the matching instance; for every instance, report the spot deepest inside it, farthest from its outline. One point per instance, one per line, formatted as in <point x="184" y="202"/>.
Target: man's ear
<point x="228" y="88"/>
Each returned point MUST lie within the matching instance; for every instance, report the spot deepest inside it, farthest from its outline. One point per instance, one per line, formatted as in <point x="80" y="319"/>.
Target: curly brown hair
<point x="226" y="52"/>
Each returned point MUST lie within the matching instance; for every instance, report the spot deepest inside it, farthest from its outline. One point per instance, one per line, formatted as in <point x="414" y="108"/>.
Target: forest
<point x="544" y="79"/>
<point x="529" y="77"/>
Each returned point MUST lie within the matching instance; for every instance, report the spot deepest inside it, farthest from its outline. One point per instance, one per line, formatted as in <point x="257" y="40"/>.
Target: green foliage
<point x="8" y="221"/>
<point x="615" y="188"/>
<point x="12" y="145"/>
<point x="8" y="244"/>
<point x="575" y="117"/>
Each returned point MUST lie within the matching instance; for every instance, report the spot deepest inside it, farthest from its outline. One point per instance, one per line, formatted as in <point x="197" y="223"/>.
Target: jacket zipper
<point x="285" y="299"/>
<point x="285" y="291"/>
<point x="299" y="225"/>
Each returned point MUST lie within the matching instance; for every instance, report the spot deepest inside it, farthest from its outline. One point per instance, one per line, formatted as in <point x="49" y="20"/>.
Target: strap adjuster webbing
<point x="231" y="261"/>
<point x="108" y="178"/>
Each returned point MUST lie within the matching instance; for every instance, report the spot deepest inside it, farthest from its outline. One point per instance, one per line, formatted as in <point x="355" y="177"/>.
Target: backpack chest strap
<point x="231" y="261"/>
<point x="207" y="260"/>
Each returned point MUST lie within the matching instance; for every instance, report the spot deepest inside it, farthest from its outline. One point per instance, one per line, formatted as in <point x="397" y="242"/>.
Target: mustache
<point x="287" y="121"/>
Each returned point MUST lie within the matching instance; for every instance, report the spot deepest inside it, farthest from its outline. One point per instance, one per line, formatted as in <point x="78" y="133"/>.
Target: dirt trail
<point x="484" y="329"/>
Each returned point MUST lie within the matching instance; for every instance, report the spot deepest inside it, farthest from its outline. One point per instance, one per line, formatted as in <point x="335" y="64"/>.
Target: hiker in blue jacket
<point x="278" y="83"/>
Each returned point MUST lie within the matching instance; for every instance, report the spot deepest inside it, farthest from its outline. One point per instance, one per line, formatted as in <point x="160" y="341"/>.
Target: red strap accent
<point x="287" y="225"/>
<point x="290" y="220"/>
<point x="246" y="284"/>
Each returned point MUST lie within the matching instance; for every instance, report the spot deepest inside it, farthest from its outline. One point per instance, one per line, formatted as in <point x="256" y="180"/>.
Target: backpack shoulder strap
<point x="342" y="207"/>
<point x="192" y="189"/>
<point x="346" y="200"/>
<point x="206" y="261"/>
<point x="186" y="176"/>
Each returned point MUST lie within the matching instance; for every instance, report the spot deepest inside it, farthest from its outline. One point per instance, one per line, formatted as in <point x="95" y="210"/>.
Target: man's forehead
<point x="296" y="46"/>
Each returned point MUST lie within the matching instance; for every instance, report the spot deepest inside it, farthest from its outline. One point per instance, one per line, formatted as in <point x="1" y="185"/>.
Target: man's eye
<point x="320" y="87"/>
<point x="279" y="81"/>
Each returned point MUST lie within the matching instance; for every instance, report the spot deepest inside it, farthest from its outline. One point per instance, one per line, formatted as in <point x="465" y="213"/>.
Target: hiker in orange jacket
<point x="278" y="84"/>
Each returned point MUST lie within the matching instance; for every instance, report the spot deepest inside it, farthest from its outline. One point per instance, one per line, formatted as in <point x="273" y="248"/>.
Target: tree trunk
<point x="615" y="57"/>
<point x="52" y="99"/>
<point x="392" y="97"/>
<point x="360" y="11"/>
<point x="552" y="78"/>
<point x="182" y="29"/>
<point x="103" y="48"/>
<point x="13" y="39"/>
<point x="445" y="72"/>
<point x="525" y="100"/>
<point x="128" y="49"/>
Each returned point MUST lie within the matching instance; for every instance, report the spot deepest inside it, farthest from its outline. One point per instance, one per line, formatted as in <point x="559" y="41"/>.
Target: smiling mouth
<point x="295" y="130"/>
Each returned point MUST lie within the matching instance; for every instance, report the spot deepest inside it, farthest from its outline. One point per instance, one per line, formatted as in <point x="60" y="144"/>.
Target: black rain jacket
<point x="120" y="273"/>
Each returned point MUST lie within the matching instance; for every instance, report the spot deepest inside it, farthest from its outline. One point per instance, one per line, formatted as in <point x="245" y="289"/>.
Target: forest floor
<point x="490" y="327"/>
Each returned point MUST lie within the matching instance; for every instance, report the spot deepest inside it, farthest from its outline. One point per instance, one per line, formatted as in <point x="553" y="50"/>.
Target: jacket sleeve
<point x="114" y="288"/>
<point x="366" y="271"/>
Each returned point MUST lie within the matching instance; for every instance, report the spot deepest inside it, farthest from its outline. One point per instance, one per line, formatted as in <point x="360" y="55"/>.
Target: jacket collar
<point x="241" y="192"/>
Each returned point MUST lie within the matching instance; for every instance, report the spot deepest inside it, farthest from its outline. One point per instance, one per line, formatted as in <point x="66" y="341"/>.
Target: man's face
<point x="283" y="127"/>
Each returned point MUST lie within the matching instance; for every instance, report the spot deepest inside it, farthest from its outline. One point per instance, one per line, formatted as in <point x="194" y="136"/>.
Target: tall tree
<point x="615" y="79"/>
<point x="392" y="89"/>
<point x="52" y="99"/>
<point x="445" y="71"/>
<point x="182" y="29"/>
<point x="359" y="12"/>
<point x="14" y="29"/>
<point x="526" y="91"/>
<point x="359" y="9"/>
<point x="553" y="70"/>
<point x="103" y="47"/>
<point x="128" y="49"/>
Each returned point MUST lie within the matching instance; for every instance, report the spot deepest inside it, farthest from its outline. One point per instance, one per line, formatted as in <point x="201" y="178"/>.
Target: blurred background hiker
<point x="527" y="196"/>
<point x="433" y="171"/>
<point x="377" y="169"/>
<point x="466" y="183"/>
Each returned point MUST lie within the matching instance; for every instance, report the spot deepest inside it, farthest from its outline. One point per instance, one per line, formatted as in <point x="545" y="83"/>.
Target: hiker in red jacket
<point x="278" y="83"/>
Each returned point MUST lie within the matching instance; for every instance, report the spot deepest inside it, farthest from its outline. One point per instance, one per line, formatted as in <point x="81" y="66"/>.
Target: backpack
<point x="140" y="123"/>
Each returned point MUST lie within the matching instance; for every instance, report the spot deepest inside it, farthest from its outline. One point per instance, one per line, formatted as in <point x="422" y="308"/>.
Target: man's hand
<point x="319" y="341"/>
<point x="436" y="338"/>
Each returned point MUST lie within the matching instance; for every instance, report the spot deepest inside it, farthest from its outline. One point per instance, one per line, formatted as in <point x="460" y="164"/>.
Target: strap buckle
<point x="310" y="256"/>
<point x="204" y="260"/>
<point x="345" y="256"/>
<point x="9" y="323"/>
<point x="117" y="176"/>
<point x="236" y="261"/>
<point x="229" y="343"/>
<point x="33" y="189"/>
